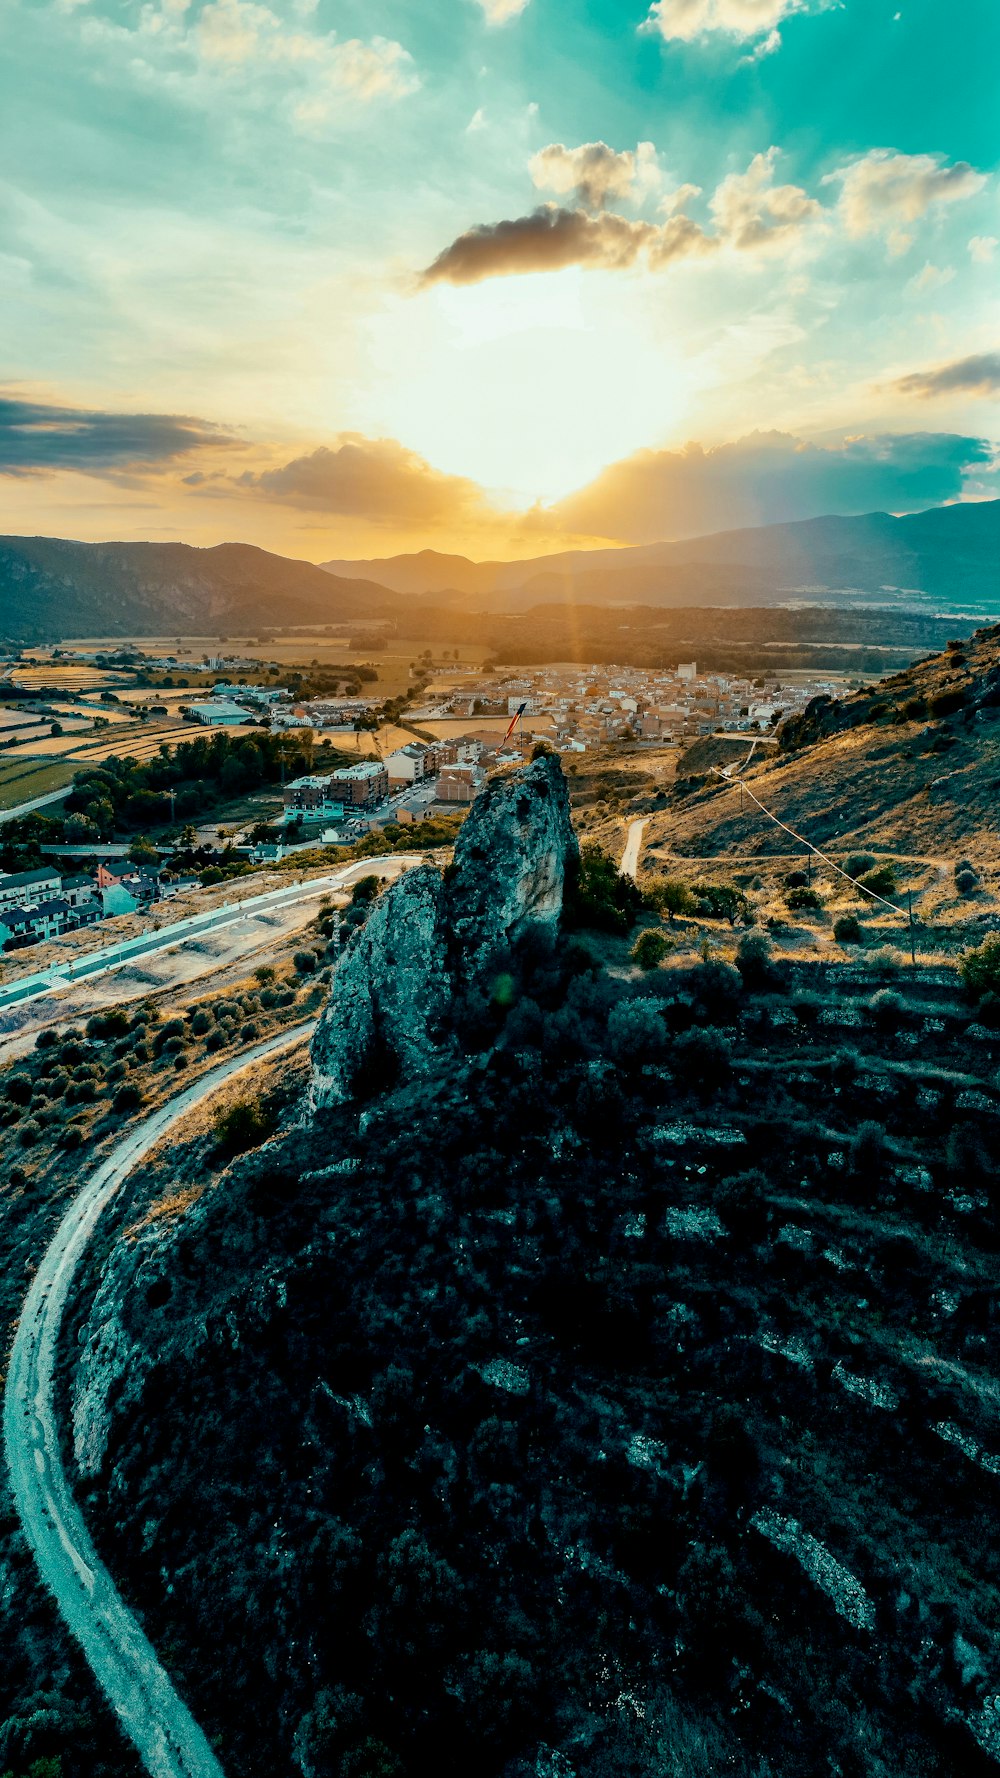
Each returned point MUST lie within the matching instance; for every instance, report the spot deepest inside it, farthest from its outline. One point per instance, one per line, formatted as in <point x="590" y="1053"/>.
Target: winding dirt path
<point x="153" y="1716"/>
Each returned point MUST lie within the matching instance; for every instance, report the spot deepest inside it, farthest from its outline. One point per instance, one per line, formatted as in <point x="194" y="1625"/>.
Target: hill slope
<point x="949" y="554"/>
<point x="51" y="587"/>
<point x="911" y="764"/>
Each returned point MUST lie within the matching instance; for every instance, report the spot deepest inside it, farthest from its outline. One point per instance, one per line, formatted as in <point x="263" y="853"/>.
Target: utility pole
<point x="913" y="944"/>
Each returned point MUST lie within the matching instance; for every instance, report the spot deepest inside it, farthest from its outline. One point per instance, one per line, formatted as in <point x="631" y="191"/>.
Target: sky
<point x="348" y="277"/>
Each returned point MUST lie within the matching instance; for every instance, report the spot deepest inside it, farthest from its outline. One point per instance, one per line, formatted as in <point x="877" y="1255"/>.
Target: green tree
<point x="650" y="948"/>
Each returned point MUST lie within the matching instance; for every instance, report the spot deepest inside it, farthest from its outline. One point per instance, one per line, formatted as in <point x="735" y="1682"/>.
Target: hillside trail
<point x="168" y="1740"/>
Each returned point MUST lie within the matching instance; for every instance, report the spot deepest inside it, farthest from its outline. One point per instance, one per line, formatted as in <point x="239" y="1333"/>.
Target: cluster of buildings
<point x="412" y="782"/>
<point x="230" y="704"/>
<point x="588" y="705"/>
<point x="36" y="905"/>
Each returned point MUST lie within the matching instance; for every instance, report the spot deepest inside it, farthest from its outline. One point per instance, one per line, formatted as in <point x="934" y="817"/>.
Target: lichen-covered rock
<point x="390" y="995"/>
<point x="428" y="937"/>
<point x="511" y="859"/>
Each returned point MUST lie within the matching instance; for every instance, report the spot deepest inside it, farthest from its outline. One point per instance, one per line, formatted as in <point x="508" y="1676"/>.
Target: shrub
<point x="29" y="1132"/>
<point x="742" y="1202"/>
<point x="128" y="1098"/>
<point x="803" y="898"/>
<point x="46" y="1039"/>
<point x="636" y="1032"/>
<point x="650" y="948"/>
<point x="264" y="973"/>
<point x="718" y="987"/>
<point x="796" y="879"/>
<point x="16" y="1176"/>
<point x="845" y="1066"/>
<point x="216" y="1040"/>
<point x="703" y="1057"/>
<point x="200" y="1022"/>
<point x="945" y="703"/>
<point x="366" y="889"/>
<point x="168" y="1033"/>
<point x="980" y="968"/>
<point x="248" y="1032"/>
<point x="671" y="897"/>
<point x="117" y="1071"/>
<point x="113" y="1023"/>
<point x="305" y="962"/>
<point x="880" y="881"/>
<point x="847" y="930"/>
<point x="19" y="1088"/>
<point x="598" y="896"/>
<point x="807" y="1007"/>
<point x="244" y="1125"/>
<point x="966" y="882"/>
<point x="858" y="862"/>
<point x="887" y="1009"/>
<point x="71" y="1138"/>
<point x="754" y="956"/>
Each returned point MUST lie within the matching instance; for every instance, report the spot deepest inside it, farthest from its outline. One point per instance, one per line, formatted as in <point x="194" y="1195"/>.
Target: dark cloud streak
<point x="978" y="375"/>
<point x="37" y="438"/>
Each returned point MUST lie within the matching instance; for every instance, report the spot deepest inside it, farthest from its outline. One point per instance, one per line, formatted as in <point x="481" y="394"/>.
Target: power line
<point x="803" y="841"/>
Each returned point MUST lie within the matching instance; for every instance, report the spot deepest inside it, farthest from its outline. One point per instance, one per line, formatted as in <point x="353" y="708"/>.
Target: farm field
<point x="67" y="678"/>
<point x="24" y="779"/>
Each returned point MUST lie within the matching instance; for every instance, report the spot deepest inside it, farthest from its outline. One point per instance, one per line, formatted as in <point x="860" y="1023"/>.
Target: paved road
<point x="39" y="802"/>
<point x="630" y="856"/>
<point x="168" y="1740"/>
<point x="87" y="964"/>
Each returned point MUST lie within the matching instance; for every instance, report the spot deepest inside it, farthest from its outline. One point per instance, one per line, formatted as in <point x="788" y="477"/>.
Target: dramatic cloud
<point x="882" y="190"/>
<point x="375" y="479"/>
<point x="39" y="439"/>
<point x="750" y="211"/>
<point x="594" y="172"/>
<point x="500" y="12"/>
<point x="766" y="478"/>
<point x="551" y="238"/>
<point x="978" y="375"/>
<point x="684" y="20"/>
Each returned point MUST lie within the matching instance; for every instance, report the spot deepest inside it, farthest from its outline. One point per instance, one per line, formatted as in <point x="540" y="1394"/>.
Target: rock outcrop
<point x="429" y="936"/>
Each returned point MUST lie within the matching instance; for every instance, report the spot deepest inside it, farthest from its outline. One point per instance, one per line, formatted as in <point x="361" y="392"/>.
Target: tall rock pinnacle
<point x="429" y="936"/>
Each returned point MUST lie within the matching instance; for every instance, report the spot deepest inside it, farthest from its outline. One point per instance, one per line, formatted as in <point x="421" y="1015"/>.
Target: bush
<point x="636" y="1032"/>
<point x="29" y="1132"/>
<point x="945" y="703"/>
<point x="245" y="1125"/>
<point x="869" y="1155"/>
<point x="803" y="898"/>
<point x="887" y="1009"/>
<point x="248" y="1032"/>
<point x="796" y="879"/>
<point x="19" y="1088"/>
<point x="200" y="1022"/>
<point x="754" y="956"/>
<point x="46" y="1039"/>
<point x="847" y="930"/>
<point x="598" y="896"/>
<point x="216" y="1040"/>
<point x="718" y="987"/>
<point x="650" y="948"/>
<point x="71" y="1138"/>
<point x="305" y="962"/>
<point x="703" y="1057"/>
<point x="858" y="863"/>
<point x="966" y="882"/>
<point x="980" y="968"/>
<point x="807" y="1007"/>
<point x="16" y="1176"/>
<point x="880" y="881"/>
<point x="721" y="901"/>
<point x="128" y="1098"/>
<point x="366" y="889"/>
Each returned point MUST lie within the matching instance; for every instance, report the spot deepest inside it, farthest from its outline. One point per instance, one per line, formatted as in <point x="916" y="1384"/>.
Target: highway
<point x="38" y="802"/>
<point x="151" y="1714"/>
<point x="88" y="964"/>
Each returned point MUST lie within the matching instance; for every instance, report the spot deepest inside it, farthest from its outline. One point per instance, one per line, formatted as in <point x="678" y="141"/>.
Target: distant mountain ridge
<point x="52" y="587"/>
<point x="949" y="553"/>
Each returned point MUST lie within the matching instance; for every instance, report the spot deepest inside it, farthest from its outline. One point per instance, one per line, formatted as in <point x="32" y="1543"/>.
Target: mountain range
<point x="945" y="558"/>
<point x="948" y="554"/>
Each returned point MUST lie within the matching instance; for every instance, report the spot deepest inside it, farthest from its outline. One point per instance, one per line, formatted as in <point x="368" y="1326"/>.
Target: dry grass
<point x="166" y="1209"/>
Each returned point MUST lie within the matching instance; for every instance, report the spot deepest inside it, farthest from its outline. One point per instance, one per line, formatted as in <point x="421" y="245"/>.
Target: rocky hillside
<point x="911" y="764"/>
<point x="599" y="1377"/>
<point x="51" y="588"/>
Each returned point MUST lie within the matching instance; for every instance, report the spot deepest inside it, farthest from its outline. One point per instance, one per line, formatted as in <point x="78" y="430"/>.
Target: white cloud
<point x="982" y="249"/>
<point x="244" y="41"/>
<point x="882" y="189"/>
<point x="500" y="12"/>
<point x="933" y="277"/>
<point x="476" y="122"/>
<point x="684" y="20"/>
<point x="594" y="172"/>
<point x="751" y="212"/>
